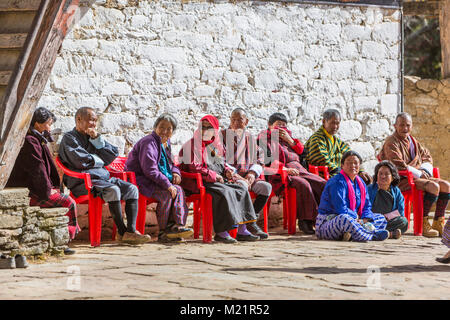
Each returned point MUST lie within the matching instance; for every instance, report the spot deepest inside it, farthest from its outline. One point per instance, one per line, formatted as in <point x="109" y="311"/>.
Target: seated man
<point x="325" y="149"/>
<point x="241" y="152"/>
<point x="282" y="150"/>
<point x="408" y="154"/>
<point x="84" y="150"/>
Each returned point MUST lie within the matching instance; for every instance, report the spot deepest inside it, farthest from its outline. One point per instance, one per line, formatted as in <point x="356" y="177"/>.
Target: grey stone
<point x="52" y="212"/>
<point x="14" y="197"/>
<point x="34" y="237"/>
<point x="53" y="222"/>
<point x="10" y="222"/>
<point x="60" y="236"/>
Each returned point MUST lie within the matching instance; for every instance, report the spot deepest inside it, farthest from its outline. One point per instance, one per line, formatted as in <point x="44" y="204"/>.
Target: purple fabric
<point x="412" y="148"/>
<point x="143" y="161"/>
<point x="169" y="209"/>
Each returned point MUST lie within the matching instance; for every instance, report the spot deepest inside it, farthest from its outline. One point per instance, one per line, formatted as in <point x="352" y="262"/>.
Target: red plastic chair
<point x="316" y="169"/>
<point x="94" y="204"/>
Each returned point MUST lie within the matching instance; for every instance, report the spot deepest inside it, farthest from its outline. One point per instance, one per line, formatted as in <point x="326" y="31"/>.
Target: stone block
<point x="389" y="104"/>
<point x="387" y="32"/>
<point x="356" y="33"/>
<point x="52" y="212"/>
<point x="60" y="236"/>
<point x="373" y="50"/>
<point x="350" y="130"/>
<point x="366" y="103"/>
<point x="204" y="91"/>
<point x="14" y="197"/>
<point x="427" y="85"/>
<point x="10" y="233"/>
<point x="162" y="55"/>
<point x="29" y="237"/>
<point x="377" y="128"/>
<point x="365" y="149"/>
<point x="33" y="249"/>
<point x="51" y="223"/>
<point x="268" y="80"/>
<point x="235" y="79"/>
<point x="116" y="88"/>
<point x="10" y="222"/>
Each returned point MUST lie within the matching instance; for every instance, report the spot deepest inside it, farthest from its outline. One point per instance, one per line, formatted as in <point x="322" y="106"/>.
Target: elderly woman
<point x="285" y="151"/>
<point x="157" y="177"/>
<point x="231" y="202"/>
<point x="387" y="199"/>
<point x="35" y="169"/>
<point x="344" y="203"/>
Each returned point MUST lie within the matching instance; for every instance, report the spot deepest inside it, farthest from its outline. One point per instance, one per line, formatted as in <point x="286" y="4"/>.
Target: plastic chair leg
<point x="285" y="211"/>
<point x="142" y="213"/>
<point x="197" y="218"/>
<point x="233" y="232"/>
<point x="207" y="219"/>
<point x="266" y="217"/>
<point x="114" y="232"/>
<point x="418" y="212"/>
<point x="292" y="221"/>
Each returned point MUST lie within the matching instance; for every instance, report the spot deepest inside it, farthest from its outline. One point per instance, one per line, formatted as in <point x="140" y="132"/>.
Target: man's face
<point x="238" y="121"/>
<point x="277" y="124"/>
<point x="403" y="127"/>
<point x="89" y="121"/>
<point x="332" y="125"/>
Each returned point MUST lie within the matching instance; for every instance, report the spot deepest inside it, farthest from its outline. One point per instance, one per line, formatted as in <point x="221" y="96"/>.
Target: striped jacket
<point x="326" y="150"/>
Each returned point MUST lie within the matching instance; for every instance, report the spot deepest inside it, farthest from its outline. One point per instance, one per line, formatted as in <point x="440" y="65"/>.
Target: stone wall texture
<point x="428" y="102"/>
<point x="30" y="231"/>
<point x="133" y="60"/>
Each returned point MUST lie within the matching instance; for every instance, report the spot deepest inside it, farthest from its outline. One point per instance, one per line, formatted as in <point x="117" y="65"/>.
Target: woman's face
<point x="351" y="166"/>
<point x="164" y="130"/>
<point x="46" y="126"/>
<point x="384" y="176"/>
<point x="277" y="124"/>
<point x="207" y="131"/>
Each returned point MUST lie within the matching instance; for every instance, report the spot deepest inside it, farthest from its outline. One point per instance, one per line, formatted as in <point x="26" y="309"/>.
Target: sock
<point x="441" y="205"/>
<point x="115" y="209"/>
<point x="428" y="200"/>
<point x="131" y="210"/>
<point x="224" y="234"/>
<point x="259" y="203"/>
<point x="242" y="230"/>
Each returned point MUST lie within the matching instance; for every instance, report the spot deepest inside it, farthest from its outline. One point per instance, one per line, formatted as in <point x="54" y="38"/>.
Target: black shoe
<point x="306" y="226"/>
<point x="163" y="238"/>
<point x="179" y="232"/>
<point x="256" y="230"/>
<point x="228" y="239"/>
<point x="443" y="260"/>
<point x="69" y="252"/>
<point x="249" y="237"/>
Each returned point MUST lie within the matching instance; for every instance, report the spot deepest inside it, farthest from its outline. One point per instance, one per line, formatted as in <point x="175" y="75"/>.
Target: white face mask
<point x="208" y="134"/>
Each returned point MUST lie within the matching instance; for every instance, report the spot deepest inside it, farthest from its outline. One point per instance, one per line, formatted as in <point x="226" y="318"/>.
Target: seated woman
<point x="35" y="169"/>
<point x="231" y="202"/>
<point x="157" y="177"/>
<point x="387" y="199"/>
<point x="344" y="203"/>
<point x="285" y="151"/>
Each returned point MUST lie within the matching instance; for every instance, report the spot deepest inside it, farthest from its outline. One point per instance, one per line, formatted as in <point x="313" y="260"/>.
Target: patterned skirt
<point x="60" y="200"/>
<point x="446" y="234"/>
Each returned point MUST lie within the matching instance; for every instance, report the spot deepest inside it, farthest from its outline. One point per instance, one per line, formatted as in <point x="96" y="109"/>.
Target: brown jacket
<point x="396" y="149"/>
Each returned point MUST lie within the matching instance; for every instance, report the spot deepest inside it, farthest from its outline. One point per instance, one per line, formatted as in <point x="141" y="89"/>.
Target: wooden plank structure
<point x="36" y="52"/>
<point x="434" y="9"/>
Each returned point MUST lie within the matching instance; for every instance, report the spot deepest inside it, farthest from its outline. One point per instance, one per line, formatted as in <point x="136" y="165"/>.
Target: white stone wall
<point x="132" y="60"/>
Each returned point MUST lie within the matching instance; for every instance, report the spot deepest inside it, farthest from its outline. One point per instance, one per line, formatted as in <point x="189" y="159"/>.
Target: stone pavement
<point x="283" y="267"/>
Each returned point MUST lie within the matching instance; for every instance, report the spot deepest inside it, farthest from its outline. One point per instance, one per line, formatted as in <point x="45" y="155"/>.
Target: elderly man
<point x="84" y="150"/>
<point x="325" y="149"/>
<point x="242" y="153"/>
<point x="408" y="154"/>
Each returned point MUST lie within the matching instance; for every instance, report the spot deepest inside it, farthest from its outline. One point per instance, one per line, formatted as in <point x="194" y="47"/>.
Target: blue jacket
<point x="334" y="199"/>
<point x="399" y="200"/>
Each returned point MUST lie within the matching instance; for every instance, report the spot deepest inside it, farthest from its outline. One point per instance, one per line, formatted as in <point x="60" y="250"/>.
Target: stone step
<point x="12" y="197"/>
<point x="19" y="5"/>
<point x="4" y="77"/>
<point x="12" y="40"/>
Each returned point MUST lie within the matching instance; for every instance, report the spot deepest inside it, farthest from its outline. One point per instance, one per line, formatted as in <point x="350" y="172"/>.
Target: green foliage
<point x="422" y="47"/>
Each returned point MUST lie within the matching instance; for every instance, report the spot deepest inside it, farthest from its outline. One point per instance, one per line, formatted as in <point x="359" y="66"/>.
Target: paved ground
<point x="283" y="267"/>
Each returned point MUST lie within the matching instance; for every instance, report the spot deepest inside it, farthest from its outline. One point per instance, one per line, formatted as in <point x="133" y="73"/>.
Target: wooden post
<point x="444" y="25"/>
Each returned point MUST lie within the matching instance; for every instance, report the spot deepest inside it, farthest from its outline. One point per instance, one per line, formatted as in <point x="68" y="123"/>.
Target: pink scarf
<point x="351" y="193"/>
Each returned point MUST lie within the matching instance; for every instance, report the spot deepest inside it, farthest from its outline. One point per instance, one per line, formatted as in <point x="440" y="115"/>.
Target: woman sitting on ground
<point x="387" y="199"/>
<point x="231" y="202"/>
<point x="345" y="210"/>
<point x="35" y="169"/>
<point x="157" y="177"/>
<point x="285" y="152"/>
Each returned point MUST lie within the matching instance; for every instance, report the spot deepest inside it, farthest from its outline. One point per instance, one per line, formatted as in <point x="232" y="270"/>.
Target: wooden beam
<point x="444" y="25"/>
<point x="19" y="5"/>
<point x="52" y="23"/>
<point x="12" y="40"/>
<point x="4" y="77"/>
<point x="425" y="8"/>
